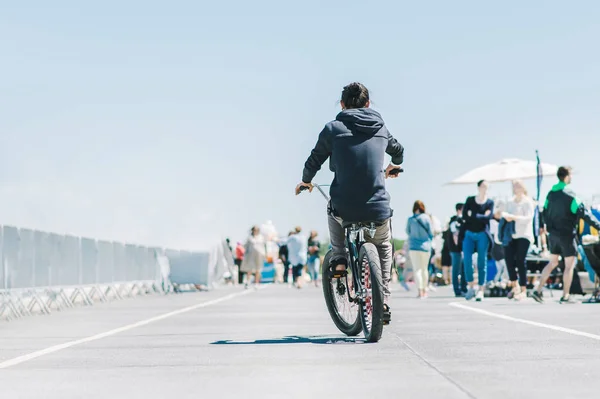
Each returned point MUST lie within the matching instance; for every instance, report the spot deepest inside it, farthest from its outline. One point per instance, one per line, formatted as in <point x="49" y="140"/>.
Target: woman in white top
<point x="520" y="209"/>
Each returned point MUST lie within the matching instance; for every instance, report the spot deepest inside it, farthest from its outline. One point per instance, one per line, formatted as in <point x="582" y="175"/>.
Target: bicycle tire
<point x="350" y="329"/>
<point x="370" y="266"/>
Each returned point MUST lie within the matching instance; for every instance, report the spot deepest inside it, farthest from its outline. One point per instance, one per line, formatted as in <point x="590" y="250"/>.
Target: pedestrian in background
<point x="520" y="210"/>
<point x="477" y="212"/>
<point x="445" y="257"/>
<point x="297" y="245"/>
<point x="562" y="212"/>
<point x="459" y="282"/>
<point x="498" y="249"/>
<point x="284" y="255"/>
<point x="239" y="257"/>
<point x="420" y="234"/>
<point x="314" y="260"/>
<point x="254" y="257"/>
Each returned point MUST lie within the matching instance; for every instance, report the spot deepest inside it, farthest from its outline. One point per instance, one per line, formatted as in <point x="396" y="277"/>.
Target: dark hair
<point x="355" y="95"/>
<point x="480" y="182"/>
<point x="563" y="172"/>
<point x="419" y="206"/>
<point x="459" y="206"/>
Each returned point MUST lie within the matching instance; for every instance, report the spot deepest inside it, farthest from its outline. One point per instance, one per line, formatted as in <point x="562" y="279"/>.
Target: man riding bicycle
<point x="356" y="143"/>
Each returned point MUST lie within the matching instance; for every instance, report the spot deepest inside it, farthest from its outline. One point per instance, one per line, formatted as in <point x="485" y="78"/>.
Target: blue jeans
<point x="476" y="242"/>
<point x="458" y="269"/>
<point x="314" y="263"/>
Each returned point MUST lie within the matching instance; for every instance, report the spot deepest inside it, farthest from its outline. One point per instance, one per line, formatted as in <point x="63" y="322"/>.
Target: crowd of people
<point x="457" y="254"/>
<point x="298" y="257"/>
<point x="482" y="229"/>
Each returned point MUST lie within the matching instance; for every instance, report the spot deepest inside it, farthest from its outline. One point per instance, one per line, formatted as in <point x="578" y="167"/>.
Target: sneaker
<point x="520" y="296"/>
<point x="568" y="301"/>
<point x="334" y="267"/>
<point x="470" y="294"/>
<point x="537" y="296"/>
<point x="479" y="296"/>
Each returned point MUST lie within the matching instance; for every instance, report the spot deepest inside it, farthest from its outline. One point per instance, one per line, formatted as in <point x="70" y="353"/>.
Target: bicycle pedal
<point x="338" y="274"/>
<point x="387" y="318"/>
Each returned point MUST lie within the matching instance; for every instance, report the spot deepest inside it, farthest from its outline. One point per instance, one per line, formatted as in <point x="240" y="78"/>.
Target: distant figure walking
<point x="239" y="257"/>
<point x="284" y="255"/>
<point x="519" y="210"/>
<point x="477" y="213"/>
<point x="254" y="257"/>
<point x="562" y="212"/>
<point x="297" y="245"/>
<point x="459" y="282"/>
<point x="420" y="234"/>
<point x="314" y="260"/>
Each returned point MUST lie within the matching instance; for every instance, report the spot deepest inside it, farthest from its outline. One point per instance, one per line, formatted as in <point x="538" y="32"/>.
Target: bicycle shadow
<point x="295" y="339"/>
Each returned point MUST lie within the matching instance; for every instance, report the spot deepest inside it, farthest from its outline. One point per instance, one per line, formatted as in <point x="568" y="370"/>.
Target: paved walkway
<point x="279" y="342"/>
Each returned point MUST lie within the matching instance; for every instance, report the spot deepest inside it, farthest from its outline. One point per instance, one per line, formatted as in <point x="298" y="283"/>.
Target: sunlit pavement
<point x="279" y="342"/>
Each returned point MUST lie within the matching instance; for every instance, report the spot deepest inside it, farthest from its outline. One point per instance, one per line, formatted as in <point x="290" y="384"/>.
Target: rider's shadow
<point x="294" y="339"/>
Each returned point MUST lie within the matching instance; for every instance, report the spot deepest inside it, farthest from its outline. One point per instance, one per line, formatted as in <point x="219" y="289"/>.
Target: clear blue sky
<point x="174" y="122"/>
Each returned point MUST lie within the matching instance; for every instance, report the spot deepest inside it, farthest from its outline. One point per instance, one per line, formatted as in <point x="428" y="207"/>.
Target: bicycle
<point x="361" y="289"/>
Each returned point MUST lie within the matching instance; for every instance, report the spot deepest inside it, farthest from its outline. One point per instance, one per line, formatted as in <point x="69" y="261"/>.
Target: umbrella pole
<point x="539" y="177"/>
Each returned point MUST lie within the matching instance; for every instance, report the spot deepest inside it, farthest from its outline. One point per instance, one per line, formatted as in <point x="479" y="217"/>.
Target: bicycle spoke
<point x="343" y="290"/>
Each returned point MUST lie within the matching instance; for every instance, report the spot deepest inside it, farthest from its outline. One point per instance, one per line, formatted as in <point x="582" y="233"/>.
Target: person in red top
<point x="239" y="256"/>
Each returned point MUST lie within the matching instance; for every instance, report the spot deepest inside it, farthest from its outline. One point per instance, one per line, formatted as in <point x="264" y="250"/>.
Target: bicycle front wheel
<point x="338" y="292"/>
<point x="372" y="299"/>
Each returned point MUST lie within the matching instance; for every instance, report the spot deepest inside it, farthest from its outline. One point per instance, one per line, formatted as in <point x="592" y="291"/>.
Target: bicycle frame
<point x="355" y="238"/>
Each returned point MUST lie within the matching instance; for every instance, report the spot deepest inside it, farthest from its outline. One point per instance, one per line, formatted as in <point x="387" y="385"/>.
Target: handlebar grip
<point x="395" y="172"/>
<point x="303" y="188"/>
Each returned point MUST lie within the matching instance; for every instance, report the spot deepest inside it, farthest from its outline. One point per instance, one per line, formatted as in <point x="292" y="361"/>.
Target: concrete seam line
<point x="434" y="368"/>
<point x="524" y="321"/>
<point x="59" y="347"/>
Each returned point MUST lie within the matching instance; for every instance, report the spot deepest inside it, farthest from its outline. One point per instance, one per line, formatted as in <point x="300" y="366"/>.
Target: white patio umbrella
<point x="506" y="170"/>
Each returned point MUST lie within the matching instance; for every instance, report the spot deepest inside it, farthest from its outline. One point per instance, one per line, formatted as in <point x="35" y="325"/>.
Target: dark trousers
<point x="515" y="254"/>
<point x="297" y="271"/>
<point x="286" y="271"/>
<point x="238" y="263"/>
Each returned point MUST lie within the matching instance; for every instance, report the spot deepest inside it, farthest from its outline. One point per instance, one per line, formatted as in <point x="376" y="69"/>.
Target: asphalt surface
<point x="279" y="342"/>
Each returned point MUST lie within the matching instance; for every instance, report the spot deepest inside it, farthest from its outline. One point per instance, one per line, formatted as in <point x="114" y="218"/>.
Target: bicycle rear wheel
<point x="343" y="312"/>
<point x="372" y="284"/>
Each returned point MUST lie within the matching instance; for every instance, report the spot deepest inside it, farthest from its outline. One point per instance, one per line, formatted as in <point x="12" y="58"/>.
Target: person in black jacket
<point x="562" y="212"/>
<point x="284" y="255"/>
<point x="455" y="247"/>
<point x="356" y="143"/>
<point x="477" y="213"/>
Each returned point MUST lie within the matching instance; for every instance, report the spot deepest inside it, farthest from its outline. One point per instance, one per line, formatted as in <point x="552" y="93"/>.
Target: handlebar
<point x="304" y="188"/>
<point x="393" y="172"/>
<point x="396" y="172"/>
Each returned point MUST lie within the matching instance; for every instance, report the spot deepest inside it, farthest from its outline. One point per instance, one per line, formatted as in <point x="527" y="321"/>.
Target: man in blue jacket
<point x="356" y="143"/>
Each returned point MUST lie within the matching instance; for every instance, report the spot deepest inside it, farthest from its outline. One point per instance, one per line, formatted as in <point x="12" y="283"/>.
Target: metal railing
<point x="41" y="272"/>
